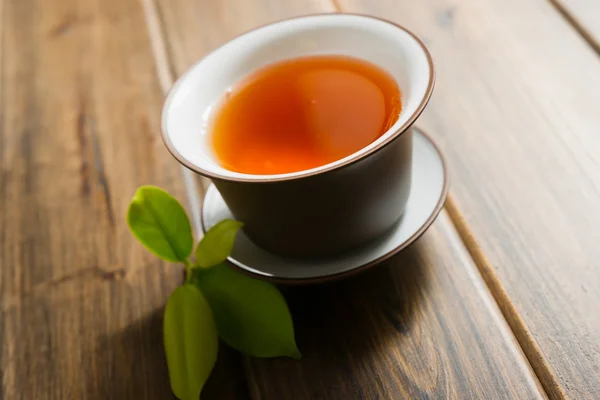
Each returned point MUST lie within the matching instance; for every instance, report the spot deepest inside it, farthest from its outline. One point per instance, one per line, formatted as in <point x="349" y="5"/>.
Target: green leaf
<point x="158" y="221"/>
<point x="191" y="341"/>
<point x="217" y="243"/>
<point x="251" y="315"/>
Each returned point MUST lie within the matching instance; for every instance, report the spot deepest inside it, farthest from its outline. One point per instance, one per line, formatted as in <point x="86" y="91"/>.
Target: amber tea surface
<point x="303" y="113"/>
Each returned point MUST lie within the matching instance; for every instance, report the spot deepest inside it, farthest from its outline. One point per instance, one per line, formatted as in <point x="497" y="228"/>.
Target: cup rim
<point x="350" y="160"/>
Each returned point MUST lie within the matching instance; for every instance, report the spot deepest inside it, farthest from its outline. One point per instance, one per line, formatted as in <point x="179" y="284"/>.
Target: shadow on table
<point x="136" y="367"/>
<point x="387" y="294"/>
<point x="341" y="327"/>
<point x="129" y="364"/>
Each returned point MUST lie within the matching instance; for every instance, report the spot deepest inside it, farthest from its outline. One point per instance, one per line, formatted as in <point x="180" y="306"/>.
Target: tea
<point x="303" y="113"/>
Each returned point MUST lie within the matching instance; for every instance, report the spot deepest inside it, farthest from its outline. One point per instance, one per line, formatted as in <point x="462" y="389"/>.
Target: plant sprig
<point x="214" y="301"/>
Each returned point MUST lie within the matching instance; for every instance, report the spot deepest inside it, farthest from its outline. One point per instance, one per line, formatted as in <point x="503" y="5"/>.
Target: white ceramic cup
<point x="325" y="209"/>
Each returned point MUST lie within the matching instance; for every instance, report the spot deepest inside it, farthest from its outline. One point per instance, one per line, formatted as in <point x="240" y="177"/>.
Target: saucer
<point x="427" y="195"/>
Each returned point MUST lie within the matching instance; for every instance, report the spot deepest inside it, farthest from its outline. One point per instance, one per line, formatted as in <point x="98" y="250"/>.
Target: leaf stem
<point x="188" y="270"/>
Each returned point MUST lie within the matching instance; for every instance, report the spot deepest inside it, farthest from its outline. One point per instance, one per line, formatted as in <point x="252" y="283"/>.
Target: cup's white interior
<point x="187" y="110"/>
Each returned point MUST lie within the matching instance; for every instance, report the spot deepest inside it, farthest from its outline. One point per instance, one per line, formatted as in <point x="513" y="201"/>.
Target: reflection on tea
<point x="303" y="113"/>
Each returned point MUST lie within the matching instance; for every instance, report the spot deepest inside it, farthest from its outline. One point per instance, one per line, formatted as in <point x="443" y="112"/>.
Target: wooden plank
<point x="516" y="110"/>
<point x="424" y="326"/>
<point x="81" y="301"/>
<point x="194" y="27"/>
<point x="421" y="326"/>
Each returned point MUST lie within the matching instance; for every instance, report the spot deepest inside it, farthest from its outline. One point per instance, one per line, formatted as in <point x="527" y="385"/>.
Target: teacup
<point x="325" y="210"/>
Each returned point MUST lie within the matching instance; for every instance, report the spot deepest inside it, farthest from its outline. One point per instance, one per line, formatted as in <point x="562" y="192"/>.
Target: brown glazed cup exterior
<point x="323" y="212"/>
<point x="328" y="213"/>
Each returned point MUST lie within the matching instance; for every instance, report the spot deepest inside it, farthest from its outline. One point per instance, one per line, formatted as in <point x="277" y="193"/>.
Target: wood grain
<point x="81" y="301"/>
<point x="423" y="326"/>
<point x="516" y="111"/>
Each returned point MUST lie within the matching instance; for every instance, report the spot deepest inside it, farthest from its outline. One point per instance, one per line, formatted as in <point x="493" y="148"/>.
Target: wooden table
<point x="500" y="299"/>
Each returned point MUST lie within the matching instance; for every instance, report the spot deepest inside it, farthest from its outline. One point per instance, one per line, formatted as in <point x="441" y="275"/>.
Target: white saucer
<point x="427" y="196"/>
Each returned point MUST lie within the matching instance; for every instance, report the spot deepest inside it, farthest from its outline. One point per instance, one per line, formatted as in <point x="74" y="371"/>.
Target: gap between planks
<point x="526" y="341"/>
<point x="507" y="308"/>
<point x="579" y="28"/>
<point x="165" y="72"/>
